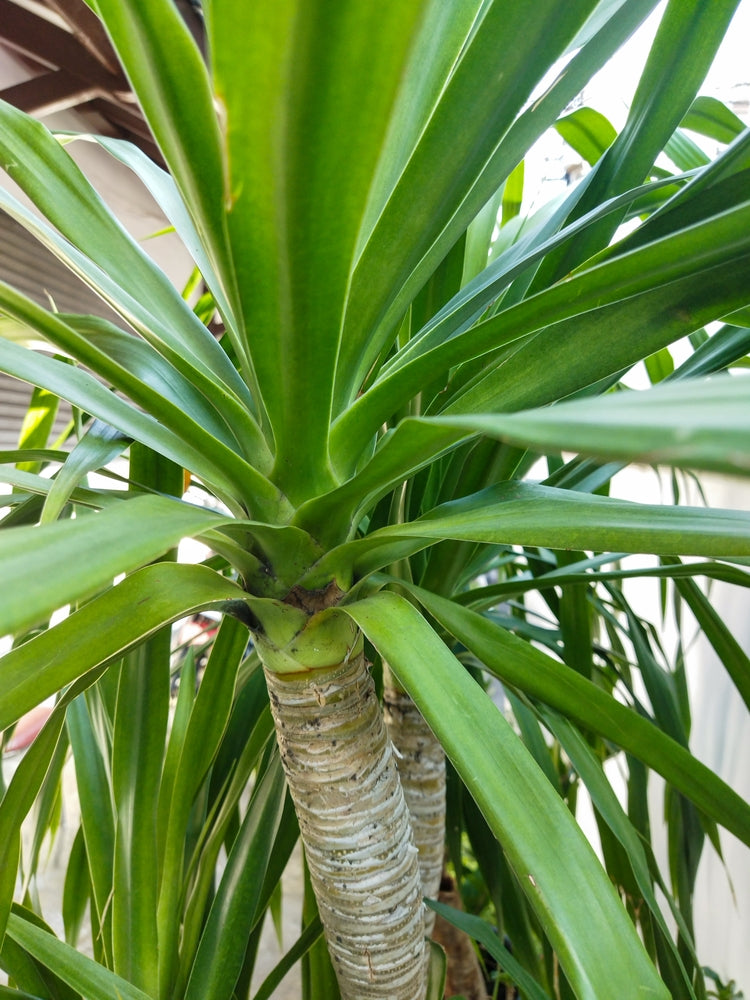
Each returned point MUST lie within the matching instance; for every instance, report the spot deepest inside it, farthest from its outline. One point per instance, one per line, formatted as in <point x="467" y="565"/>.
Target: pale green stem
<point x="421" y="767"/>
<point x="355" y="828"/>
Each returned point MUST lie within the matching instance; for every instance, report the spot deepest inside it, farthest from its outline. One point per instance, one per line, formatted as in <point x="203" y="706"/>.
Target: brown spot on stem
<point x="312" y="601"/>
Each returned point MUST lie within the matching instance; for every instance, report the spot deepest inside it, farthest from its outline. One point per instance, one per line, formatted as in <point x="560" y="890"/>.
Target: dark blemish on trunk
<point x="312" y="601"/>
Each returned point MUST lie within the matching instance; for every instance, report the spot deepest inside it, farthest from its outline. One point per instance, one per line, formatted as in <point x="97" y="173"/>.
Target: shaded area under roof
<point x="67" y="63"/>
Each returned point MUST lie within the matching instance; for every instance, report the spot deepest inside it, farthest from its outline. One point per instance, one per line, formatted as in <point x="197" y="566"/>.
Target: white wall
<point x="721" y="739"/>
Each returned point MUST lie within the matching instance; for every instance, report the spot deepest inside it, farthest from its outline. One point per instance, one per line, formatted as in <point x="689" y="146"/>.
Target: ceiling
<point x="57" y="64"/>
<point x="63" y="61"/>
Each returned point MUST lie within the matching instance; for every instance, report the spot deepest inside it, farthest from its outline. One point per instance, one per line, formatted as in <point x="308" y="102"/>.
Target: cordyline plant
<point x="335" y="171"/>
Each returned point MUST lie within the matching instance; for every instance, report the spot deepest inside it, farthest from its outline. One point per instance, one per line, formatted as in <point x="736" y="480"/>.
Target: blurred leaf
<point x="718" y="634"/>
<point x="588" y="132"/>
<point x="77" y="890"/>
<point x="37" y="424"/>
<point x="309" y="936"/>
<point x="710" y="117"/>
<point x="436" y="972"/>
<point x="82" y="973"/>
<point x="482" y="932"/>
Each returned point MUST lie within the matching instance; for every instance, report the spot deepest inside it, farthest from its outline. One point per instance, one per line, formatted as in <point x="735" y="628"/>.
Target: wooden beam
<point x="89" y="31"/>
<point x="50" y="92"/>
<point x="53" y="47"/>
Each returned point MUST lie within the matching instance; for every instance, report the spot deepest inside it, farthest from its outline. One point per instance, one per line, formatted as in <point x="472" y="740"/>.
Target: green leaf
<point x="608" y="806"/>
<point x="231" y="477"/>
<point x="100" y="250"/>
<point x="204" y="731"/>
<point x="200" y="890"/>
<point x="41" y="486"/>
<point x="235" y="909"/>
<point x="82" y="973"/>
<point x="14" y="994"/>
<point x="452" y="165"/>
<point x="77" y="889"/>
<point x="589" y="570"/>
<point x="526" y="814"/>
<point x="482" y="932"/>
<point x="139" y="370"/>
<point x="710" y="117"/>
<point x="37" y="423"/>
<point x="97" y="448"/>
<point x="684" y="47"/>
<point x="169" y="77"/>
<point x="164" y="190"/>
<point x="50" y="560"/>
<point x="480" y="232"/>
<point x="104" y="629"/>
<point x="700" y="424"/>
<point x="728" y="345"/>
<point x="731" y="653"/>
<point x="138" y="739"/>
<point x="97" y="821"/>
<point x="588" y="132"/>
<point x="520" y="665"/>
<point x="318" y="975"/>
<point x="295" y="96"/>
<point x="596" y="323"/>
<point x="578" y="352"/>
<point x="312" y="933"/>
<point x="436" y="971"/>
<point x="516" y="513"/>
<point x="17" y="802"/>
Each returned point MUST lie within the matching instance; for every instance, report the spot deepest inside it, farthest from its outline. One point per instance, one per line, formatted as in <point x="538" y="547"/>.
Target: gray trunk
<point x="355" y="827"/>
<point x="421" y="766"/>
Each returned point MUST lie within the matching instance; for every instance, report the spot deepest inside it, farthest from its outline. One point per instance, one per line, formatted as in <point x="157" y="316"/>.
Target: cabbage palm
<point x="331" y="171"/>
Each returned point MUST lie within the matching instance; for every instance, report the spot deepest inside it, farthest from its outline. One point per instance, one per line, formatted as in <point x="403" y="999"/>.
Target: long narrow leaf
<point x="138" y="738"/>
<point x="42" y="167"/>
<point x="70" y="561"/>
<point x="204" y="731"/>
<point x="222" y="947"/>
<point x="301" y="147"/>
<point x="686" y="41"/>
<point x="97" y="822"/>
<point x="584" y="322"/>
<point x="481" y="931"/>
<point x="729" y="650"/>
<point x="78" y="970"/>
<point x="517" y="663"/>
<point x="83" y="390"/>
<point x="99" y="446"/>
<point x="608" y="806"/>
<point x="169" y="76"/>
<point x="525" y="514"/>
<point x="525" y="813"/>
<point x="700" y="424"/>
<point x="452" y="148"/>
<point x="104" y="629"/>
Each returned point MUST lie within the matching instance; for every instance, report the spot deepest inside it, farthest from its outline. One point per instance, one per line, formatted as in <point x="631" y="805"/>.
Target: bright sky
<point x="612" y="89"/>
<point x="614" y="85"/>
